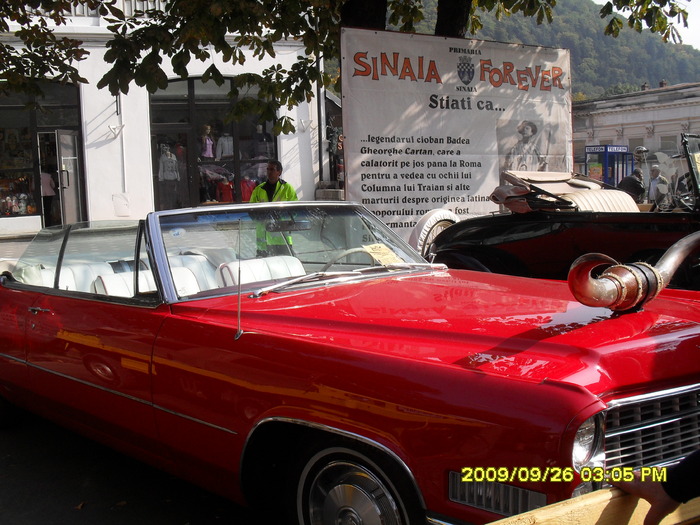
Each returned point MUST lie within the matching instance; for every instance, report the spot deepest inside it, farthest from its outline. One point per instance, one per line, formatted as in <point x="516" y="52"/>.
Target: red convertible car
<point x="301" y="355"/>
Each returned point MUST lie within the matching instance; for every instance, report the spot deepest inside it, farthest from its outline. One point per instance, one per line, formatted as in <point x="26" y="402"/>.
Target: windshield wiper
<point x="320" y="276"/>
<point x="401" y="266"/>
<point x="314" y="276"/>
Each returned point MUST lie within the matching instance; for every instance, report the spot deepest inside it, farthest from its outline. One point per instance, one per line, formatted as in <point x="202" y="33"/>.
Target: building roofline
<point x="642" y="92"/>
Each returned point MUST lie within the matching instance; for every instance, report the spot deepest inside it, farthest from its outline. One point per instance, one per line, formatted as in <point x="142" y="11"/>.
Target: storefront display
<point x="29" y="151"/>
<point x="16" y="178"/>
<point x="217" y="160"/>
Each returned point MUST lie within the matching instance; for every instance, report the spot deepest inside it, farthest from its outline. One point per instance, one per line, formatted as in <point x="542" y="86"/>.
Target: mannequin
<point x="207" y="144"/>
<point x="224" y="146"/>
<point x="168" y="168"/>
<point x="168" y="177"/>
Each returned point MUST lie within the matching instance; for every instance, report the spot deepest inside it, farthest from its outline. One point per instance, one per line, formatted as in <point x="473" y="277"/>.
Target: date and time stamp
<point x="560" y="474"/>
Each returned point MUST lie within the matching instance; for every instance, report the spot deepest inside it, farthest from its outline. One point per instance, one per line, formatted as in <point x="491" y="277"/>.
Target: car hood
<point x="526" y="329"/>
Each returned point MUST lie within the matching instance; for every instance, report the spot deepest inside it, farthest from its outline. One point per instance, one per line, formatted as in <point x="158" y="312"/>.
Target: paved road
<point x="50" y="476"/>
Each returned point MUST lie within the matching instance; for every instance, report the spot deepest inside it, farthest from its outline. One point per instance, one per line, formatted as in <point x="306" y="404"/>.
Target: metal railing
<point x="129" y="7"/>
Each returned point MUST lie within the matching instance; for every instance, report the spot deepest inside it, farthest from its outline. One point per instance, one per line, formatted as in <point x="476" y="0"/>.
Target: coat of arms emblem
<point x="465" y="70"/>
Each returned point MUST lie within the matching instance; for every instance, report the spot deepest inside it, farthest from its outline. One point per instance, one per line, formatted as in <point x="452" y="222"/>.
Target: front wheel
<point x="341" y="486"/>
<point x="429" y="226"/>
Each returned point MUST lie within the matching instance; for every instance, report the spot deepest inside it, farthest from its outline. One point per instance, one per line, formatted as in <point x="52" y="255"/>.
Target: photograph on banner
<point x="430" y="122"/>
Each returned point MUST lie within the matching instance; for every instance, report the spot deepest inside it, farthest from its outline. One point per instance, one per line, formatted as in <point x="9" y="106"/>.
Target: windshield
<point x="73" y="257"/>
<point x="253" y="245"/>
<point x="683" y="175"/>
<point x="691" y="143"/>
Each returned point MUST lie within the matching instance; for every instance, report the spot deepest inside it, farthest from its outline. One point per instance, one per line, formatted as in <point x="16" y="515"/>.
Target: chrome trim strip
<point x="13" y="358"/>
<point x="435" y="521"/>
<point x="120" y="394"/>
<point x="88" y="383"/>
<point x="653" y="395"/>
<point x="652" y="424"/>
<point x="195" y="420"/>
<point x="344" y="433"/>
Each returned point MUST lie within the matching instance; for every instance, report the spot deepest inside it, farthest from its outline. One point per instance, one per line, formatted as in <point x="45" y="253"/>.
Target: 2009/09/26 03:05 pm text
<point x="559" y="474"/>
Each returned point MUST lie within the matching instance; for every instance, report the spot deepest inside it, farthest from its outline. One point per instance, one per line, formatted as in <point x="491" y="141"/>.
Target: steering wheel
<point x="686" y="200"/>
<point x="344" y="254"/>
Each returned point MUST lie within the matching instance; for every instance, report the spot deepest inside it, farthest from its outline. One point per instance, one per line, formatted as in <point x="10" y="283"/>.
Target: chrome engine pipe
<point x="625" y="287"/>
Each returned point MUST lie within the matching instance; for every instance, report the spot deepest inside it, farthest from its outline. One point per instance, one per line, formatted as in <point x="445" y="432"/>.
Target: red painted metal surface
<point x="442" y="369"/>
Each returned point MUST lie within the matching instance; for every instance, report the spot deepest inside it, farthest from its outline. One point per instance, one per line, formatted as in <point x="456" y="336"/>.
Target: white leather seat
<point x="284" y="266"/>
<point x="77" y="277"/>
<point x="46" y="277"/>
<point x="122" y="284"/>
<point x="251" y="270"/>
<point x="66" y="281"/>
<point x="201" y="268"/>
<point x="257" y="270"/>
<point x="554" y="182"/>
<point x="186" y="283"/>
<point x="602" y="200"/>
<point x="81" y="276"/>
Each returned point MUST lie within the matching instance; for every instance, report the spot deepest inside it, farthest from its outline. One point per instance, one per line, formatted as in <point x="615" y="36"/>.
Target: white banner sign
<point x="430" y="122"/>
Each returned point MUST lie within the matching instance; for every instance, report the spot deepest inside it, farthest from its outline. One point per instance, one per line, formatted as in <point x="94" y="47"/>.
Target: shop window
<point x="169" y="113"/>
<point x="199" y="156"/>
<point x="59" y="95"/>
<point x="174" y="91"/>
<point x="58" y="117"/>
<point x="210" y="90"/>
<point x="20" y="166"/>
<point x="17" y="181"/>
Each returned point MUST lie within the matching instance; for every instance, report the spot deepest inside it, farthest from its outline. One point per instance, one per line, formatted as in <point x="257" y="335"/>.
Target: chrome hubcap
<point x="344" y="493"/>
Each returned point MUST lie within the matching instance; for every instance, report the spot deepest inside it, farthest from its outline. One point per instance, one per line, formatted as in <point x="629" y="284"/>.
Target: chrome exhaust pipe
<point x="625" y="287"/>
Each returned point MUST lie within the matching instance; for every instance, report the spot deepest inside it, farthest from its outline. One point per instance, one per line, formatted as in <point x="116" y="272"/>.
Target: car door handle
<point x="35" y="310"/>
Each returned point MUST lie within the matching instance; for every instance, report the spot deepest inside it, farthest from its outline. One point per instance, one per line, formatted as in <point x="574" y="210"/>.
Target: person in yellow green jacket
<point x="273" y="190"/>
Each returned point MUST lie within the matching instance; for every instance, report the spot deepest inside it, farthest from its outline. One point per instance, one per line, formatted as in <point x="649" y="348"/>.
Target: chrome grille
<point x="653" y="429"/>
<point x="494" y="497"/>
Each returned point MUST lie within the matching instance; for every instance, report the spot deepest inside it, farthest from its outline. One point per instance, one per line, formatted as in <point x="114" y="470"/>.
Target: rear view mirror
<point x="287" y="226"/>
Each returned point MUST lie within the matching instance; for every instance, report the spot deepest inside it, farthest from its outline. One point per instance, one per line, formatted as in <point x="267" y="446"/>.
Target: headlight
<point x="588" y="443"/>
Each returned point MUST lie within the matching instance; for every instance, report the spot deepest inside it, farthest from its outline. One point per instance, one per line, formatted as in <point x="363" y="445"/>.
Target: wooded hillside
<point x="601" y="65"/>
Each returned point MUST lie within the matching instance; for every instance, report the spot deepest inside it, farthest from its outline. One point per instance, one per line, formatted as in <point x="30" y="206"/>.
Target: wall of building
<point x="653" y="118"/>
<point x="116" y="135"/>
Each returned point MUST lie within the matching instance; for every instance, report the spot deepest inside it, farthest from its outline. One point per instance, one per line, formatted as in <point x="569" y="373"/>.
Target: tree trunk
<point x="452" y="17"/>
<point x="369" y="14"/>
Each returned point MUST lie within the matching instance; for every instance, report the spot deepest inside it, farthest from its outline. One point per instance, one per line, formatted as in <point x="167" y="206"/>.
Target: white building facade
<point x="108" y="157"/>
<point x="650" y="119"/>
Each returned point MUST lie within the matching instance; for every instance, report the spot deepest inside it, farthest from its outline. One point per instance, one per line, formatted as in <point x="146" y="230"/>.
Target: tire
<point x="342" y="485"/>
<point x="429" y="226"/>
